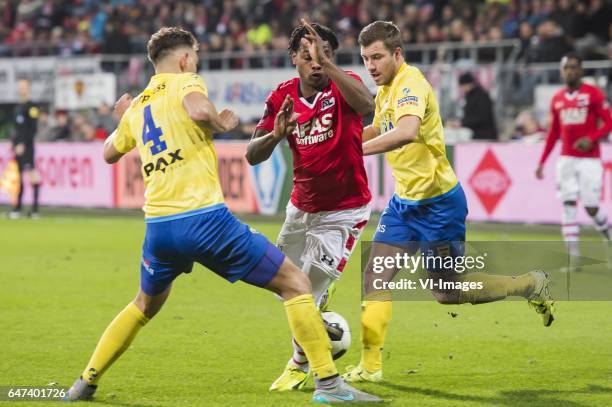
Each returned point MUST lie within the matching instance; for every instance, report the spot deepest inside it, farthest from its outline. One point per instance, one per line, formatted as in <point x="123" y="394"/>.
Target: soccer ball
<point x="339" y="333"/>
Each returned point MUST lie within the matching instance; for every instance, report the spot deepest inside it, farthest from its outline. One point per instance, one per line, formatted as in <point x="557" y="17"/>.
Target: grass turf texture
<point x="63" y="278"/>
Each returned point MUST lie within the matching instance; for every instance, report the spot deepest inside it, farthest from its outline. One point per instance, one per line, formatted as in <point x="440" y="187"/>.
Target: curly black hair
<point x="325" y="33"/>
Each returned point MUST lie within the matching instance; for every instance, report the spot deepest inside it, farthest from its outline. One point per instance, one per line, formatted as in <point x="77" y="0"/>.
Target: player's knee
<point x="298" y="284"/>
<point x="145" y="307"/>
<point x="149" y="306"/>
<point x="292" y="281"/>
<point x="592" y="210"/>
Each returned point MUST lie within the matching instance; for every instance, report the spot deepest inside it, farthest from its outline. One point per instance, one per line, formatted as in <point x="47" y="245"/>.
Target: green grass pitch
<point x="63" y="278"/>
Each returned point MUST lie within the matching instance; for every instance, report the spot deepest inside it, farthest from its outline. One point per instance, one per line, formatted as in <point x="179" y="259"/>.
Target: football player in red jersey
<point x="580" y="117"/>
<point x="330" y="201"/>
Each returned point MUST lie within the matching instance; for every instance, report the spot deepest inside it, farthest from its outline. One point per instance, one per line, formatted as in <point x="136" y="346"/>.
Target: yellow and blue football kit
<point x="428" y="209"/>
<point x="179" y="162"/>
<point x="188" y="222"/>
<point x="426" y="213"/>
<point x="185" y="213"/>
<point x="428" y="204"/>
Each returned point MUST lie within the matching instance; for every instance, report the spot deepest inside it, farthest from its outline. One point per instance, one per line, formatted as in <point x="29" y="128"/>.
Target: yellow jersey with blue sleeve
<point x="179" y="162"/>
<point x="421" y="170"/>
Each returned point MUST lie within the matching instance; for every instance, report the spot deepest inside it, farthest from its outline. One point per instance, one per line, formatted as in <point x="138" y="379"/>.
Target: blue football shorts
<point x="212" y="237"/>
<point x="436" y="227"/>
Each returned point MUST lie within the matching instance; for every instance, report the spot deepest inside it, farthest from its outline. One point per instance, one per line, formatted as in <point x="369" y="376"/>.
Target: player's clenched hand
<point x="539" y="172"/>
<point x="228" y="119"/>
<point x="583" y="144"/>
<point x="285" y="120"/>
<point x="314" y="43"/>
<point x="121" y="105"/>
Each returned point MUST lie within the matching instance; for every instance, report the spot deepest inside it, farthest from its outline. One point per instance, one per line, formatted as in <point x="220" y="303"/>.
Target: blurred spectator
<point x="599" y="17"/>
<point x="597" y="20"/>
<point x="44" y="131"/>
<point x="550" y="44"/>
<point x="478" y="109"/>
<point x="525" y="35"/>
<point x="81" y="128"/>
<point x="115" y="42"/>
<point x="61" y="130"/>
<point x="88" y="132"/>
<point x="566" y="18"/>
<point x="259" y="34"/>
<point x="527" y="129"/>
<point x="104" y="119"/>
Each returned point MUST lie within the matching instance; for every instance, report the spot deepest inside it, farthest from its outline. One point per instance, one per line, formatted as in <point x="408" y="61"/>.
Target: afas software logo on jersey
<point x="490" y="181"/>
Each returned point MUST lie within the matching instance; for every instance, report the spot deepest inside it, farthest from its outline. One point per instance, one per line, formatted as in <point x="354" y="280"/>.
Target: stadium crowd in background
<point x="546" y="28"/>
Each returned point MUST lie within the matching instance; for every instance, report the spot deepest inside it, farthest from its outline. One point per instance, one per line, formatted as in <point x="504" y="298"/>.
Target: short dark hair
<point x="167" y="39"/>
<point x="384" y="31"/>
<point x="573" y="55"/>
<point x="325" y="33"/>
<point x="466" y="78"/>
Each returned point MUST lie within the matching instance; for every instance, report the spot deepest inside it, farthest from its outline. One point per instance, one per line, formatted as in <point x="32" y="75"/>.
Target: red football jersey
<point x="575" y="114"/>
<point x="328" y="169"/>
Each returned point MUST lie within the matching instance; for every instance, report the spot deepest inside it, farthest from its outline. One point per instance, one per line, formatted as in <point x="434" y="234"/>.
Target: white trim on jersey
<point x="314" y="102"/>
<point x="571" y="95"/>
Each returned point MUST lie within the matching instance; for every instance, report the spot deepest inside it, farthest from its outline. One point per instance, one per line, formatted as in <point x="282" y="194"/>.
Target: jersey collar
<point x="571" y="94"/>
<point x="400" y="72"/>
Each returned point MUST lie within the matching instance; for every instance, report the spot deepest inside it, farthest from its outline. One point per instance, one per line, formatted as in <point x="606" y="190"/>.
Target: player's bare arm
<point x="406" y="132"/>
<point x="262" y="144"/>
<point x="111" y="155"/>
<point x="554" y="133"/>
<point x="355" y="92"/>
<point x="201" y="110"/>
<point x="369" y="132"/>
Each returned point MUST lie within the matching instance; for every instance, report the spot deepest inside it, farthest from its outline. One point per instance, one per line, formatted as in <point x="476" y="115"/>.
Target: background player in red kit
<point x="576" y="111"/>
<point x="329" y="204"/>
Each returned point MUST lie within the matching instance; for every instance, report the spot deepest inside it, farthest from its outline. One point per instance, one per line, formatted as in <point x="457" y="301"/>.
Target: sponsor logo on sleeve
<point x="407" y="99"/>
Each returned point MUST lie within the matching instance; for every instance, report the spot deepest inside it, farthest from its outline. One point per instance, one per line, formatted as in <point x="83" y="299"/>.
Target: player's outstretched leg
<point x="296" y="373"/>
<point x="533" y="286"/>
<point x="541" y="300"/>
<point x="309" y="331"/>
<point x="116" y="339"/>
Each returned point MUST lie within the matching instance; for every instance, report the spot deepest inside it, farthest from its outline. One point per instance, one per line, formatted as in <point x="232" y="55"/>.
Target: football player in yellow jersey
<point x="171" y="123"/>
<point x="428" y="210"/>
